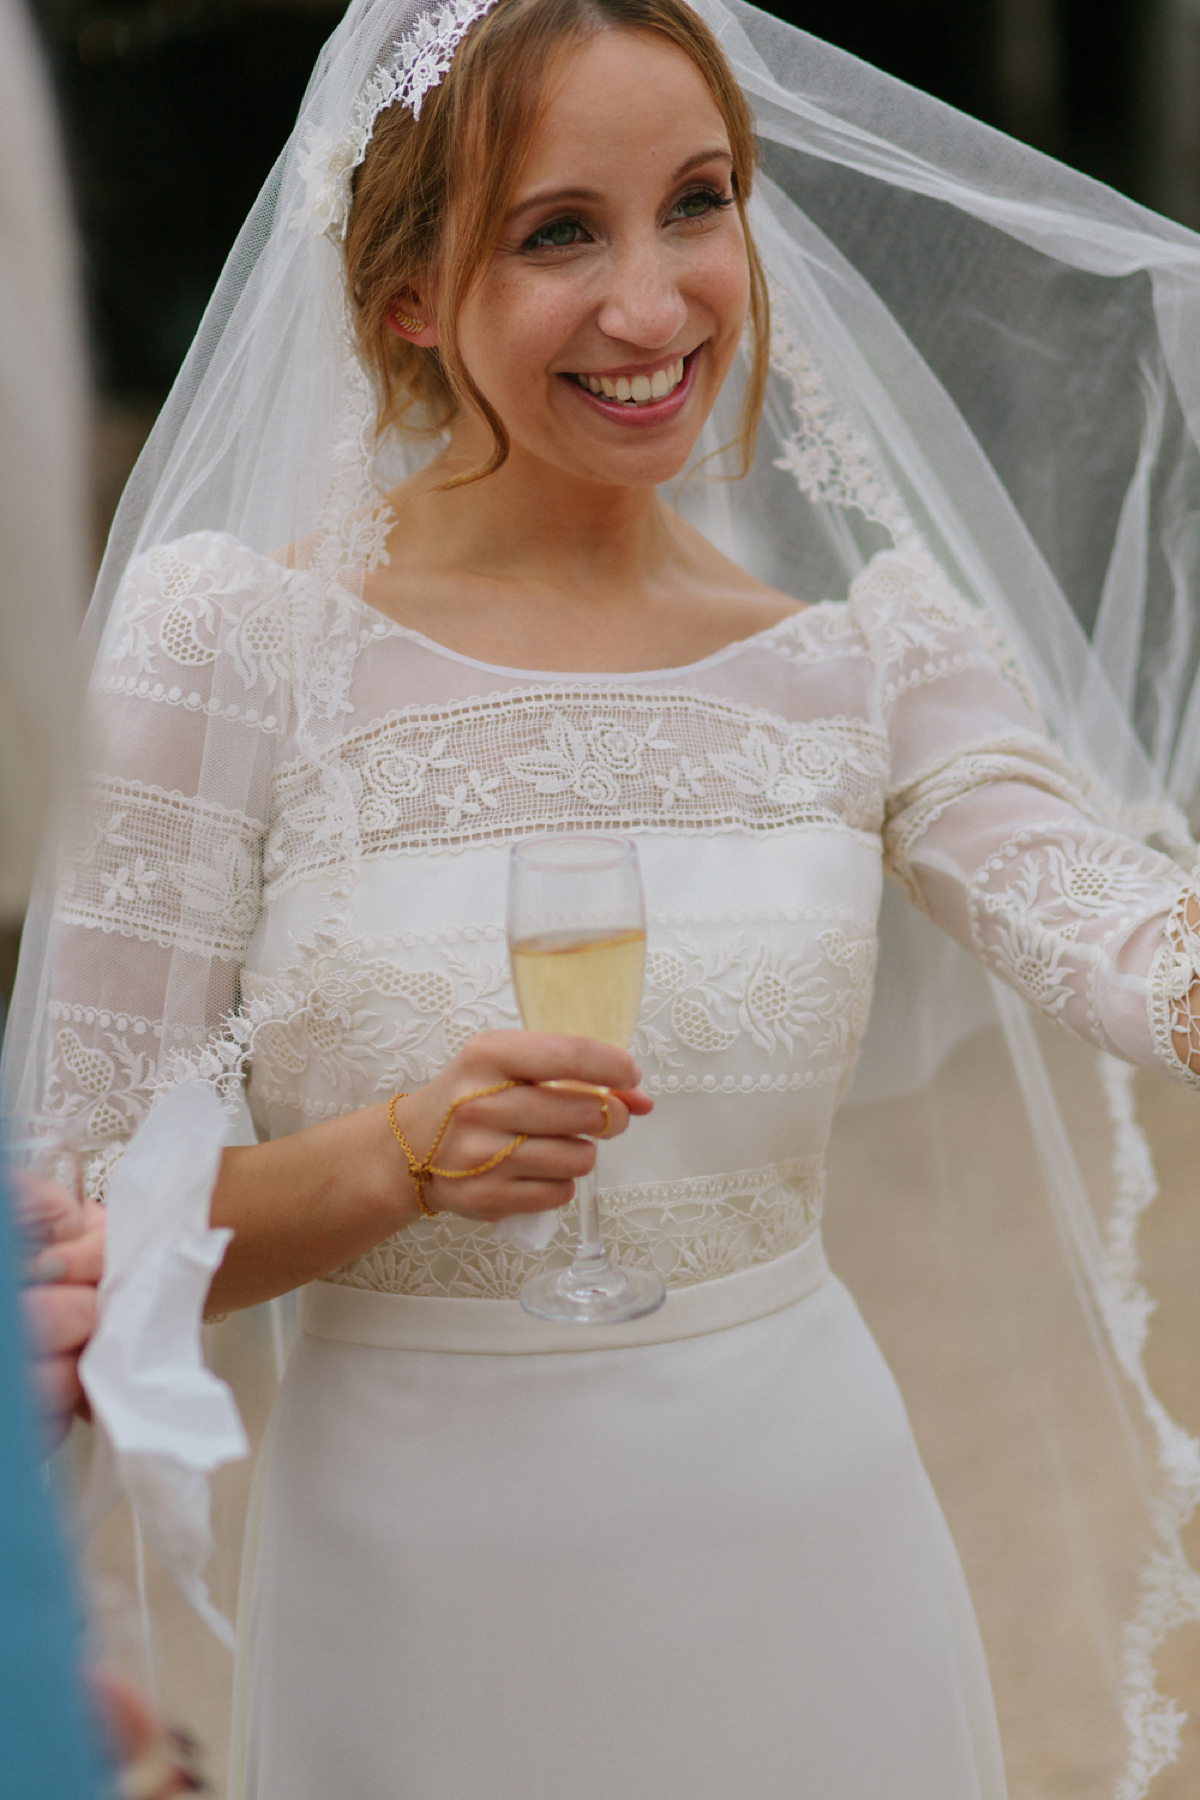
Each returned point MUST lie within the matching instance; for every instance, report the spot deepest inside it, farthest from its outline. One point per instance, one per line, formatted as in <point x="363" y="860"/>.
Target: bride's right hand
<point x="556" y="1121"/>
<point x="305" y="1204"/>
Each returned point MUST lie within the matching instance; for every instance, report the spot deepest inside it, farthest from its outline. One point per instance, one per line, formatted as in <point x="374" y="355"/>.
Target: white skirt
<point x="688" y="1570"/>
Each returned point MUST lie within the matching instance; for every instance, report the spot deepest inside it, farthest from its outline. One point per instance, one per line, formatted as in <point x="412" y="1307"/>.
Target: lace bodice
<point x="770" y="787"/>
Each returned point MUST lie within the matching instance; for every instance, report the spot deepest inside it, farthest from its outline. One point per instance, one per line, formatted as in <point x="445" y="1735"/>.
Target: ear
<point x="409" y="319"/>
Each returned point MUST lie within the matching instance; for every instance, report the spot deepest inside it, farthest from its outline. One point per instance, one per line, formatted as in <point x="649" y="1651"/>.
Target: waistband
<point x="350" y="1315"/>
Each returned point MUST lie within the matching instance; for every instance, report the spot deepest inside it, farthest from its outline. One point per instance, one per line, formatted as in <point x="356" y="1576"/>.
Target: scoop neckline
<point x="560" y="677"/>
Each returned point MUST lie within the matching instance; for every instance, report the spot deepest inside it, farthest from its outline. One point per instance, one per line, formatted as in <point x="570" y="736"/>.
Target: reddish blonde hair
<point x="433" y="192"/>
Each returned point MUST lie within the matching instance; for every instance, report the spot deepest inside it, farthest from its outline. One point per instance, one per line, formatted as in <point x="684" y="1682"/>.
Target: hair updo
<point x="433" y="192"/>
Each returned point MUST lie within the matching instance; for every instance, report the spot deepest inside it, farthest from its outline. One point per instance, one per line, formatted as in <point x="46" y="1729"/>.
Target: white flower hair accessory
<point x="415" y="67"/>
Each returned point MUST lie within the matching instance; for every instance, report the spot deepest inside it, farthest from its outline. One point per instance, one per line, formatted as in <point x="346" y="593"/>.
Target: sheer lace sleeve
<point x="160" y="889"/>
<point x="998" y="840"/>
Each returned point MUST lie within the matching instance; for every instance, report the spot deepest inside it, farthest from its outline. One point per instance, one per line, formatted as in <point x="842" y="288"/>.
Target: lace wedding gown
<point x="695" y="1556"/>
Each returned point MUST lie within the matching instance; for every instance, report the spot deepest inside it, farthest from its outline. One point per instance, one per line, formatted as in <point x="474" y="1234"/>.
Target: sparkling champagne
<point x="587" y="984"/>
<point x="574" y="975"/>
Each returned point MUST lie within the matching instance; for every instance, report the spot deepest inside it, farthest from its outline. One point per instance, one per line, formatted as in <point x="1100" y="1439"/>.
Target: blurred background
<point x="174" y="110"/>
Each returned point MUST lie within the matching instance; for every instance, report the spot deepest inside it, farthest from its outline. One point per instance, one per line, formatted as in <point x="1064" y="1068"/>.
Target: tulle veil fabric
<point x="975" y="348"/>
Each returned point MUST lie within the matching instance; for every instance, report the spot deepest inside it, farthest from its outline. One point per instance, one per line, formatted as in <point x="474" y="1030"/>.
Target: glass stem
<point x="590" y="1253"/>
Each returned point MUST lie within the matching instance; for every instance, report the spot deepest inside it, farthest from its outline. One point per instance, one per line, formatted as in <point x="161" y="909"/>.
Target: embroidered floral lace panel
<point x="158" y="866"/>
<point x="1006" y="845"/>
<point x="729" y="1007"/>
<point x="698" y="1228"/>
<point x="546" y="759"/>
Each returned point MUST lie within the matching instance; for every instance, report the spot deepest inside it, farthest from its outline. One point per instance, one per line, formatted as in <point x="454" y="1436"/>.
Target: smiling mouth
<point x="636" y="390"/>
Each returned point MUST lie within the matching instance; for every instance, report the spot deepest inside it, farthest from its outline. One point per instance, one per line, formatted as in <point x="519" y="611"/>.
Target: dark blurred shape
<point x="946" y="47"/>
<point x="1073" y="77"/>
<point x="1173" y="115"/>
<point x="1104" y="65"/>
<point x="174" y="112"/>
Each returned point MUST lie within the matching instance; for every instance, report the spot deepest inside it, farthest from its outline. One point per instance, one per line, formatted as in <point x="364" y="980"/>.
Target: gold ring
<point x="566" y="1086"/>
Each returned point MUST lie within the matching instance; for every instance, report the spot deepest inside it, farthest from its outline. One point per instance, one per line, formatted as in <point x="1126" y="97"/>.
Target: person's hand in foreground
<point x="60" y="1307"/>
<point x="152" y="1764"/>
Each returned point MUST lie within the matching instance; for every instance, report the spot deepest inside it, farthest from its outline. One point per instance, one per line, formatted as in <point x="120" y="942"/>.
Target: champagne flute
<point x="577" y="946"/>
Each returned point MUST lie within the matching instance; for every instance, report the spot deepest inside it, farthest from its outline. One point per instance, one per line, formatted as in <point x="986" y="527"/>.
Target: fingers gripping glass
<point x="577" y="944"/>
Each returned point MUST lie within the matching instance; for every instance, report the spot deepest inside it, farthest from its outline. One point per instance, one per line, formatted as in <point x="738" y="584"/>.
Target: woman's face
<point x="612" y="307"/>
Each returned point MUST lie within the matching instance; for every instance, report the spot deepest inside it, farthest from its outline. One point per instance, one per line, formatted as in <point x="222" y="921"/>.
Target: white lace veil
<point x="973" y="347"/>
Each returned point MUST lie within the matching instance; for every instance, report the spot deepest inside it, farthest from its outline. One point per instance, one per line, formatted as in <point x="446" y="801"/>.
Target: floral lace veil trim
<point x="415" y="66"/>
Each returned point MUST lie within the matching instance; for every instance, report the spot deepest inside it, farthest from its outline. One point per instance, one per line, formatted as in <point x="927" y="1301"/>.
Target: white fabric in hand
<point x="163" y="1421"/>
<point x="528" y="1231"/>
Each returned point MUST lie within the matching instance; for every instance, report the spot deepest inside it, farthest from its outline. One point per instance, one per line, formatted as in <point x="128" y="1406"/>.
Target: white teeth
<point x="636" y="390"/>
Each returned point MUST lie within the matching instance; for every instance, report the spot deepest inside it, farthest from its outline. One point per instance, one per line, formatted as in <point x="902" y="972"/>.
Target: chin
<point x="621" y="474"/>
<point x="650" y="465"/>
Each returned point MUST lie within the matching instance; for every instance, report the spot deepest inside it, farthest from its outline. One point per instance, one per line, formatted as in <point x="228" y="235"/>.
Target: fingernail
<point x="47" y="1268"/>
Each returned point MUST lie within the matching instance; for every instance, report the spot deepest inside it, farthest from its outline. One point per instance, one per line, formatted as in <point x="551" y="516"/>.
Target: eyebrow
<point x="559" y="196"/>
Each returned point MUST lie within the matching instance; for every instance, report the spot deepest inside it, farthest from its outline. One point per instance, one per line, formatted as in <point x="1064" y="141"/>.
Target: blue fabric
<point x="46" y="1747"/>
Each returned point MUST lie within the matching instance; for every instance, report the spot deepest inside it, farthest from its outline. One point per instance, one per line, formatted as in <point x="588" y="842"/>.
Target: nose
<point x="643" y="304"/>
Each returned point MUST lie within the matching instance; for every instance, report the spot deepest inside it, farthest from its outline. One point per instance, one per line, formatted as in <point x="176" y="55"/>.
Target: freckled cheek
<point x="722" y="290"/>
<point x="515" y="332"/>
<point x="729" y="289"/>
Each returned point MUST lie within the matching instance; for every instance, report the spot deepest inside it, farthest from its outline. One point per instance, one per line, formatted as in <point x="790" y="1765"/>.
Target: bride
<point x="400" y="582"/>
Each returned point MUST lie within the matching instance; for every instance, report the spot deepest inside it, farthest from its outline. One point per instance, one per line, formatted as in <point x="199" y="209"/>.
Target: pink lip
<point x="654" y="412"/>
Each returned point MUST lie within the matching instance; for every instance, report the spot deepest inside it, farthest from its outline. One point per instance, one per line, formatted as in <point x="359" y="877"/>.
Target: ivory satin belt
<point x="351" y="1315"/>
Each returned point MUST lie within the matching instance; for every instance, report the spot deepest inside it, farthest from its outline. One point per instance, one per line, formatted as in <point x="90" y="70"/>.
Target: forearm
<point x="304" y="1205"/>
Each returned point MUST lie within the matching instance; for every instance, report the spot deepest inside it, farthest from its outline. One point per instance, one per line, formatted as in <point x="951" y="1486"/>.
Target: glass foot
<point x="602" y="1295"/>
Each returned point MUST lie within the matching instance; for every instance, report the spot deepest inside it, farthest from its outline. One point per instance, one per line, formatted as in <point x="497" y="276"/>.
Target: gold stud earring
<point x="412" y="326"/>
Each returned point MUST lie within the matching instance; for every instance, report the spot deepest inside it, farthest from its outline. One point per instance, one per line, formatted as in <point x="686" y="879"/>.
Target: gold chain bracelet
<point x="422" y="1169"/>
